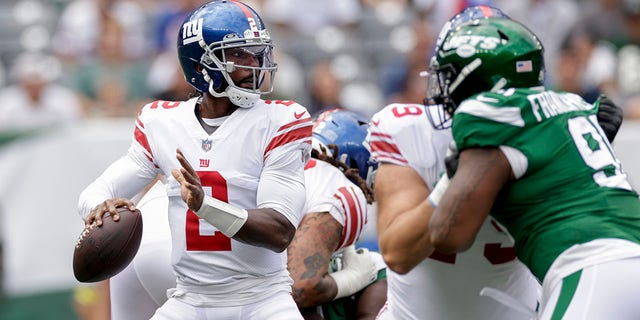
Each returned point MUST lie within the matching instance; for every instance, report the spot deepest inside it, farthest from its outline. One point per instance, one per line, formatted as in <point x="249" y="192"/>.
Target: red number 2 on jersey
<point x="218" y="241"/>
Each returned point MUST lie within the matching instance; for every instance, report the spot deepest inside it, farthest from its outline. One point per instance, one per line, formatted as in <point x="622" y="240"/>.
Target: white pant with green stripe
<point x="598" y="280"/>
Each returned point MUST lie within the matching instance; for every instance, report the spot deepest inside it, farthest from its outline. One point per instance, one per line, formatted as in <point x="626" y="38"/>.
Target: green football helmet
<point x="483" y="55"/>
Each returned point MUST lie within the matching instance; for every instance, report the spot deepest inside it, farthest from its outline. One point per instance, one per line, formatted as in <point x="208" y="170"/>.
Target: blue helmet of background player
<point x="346" y="130"/>
<point x="213" y="32"/>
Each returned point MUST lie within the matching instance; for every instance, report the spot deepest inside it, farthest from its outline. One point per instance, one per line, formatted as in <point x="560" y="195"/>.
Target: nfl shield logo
<point x="206" y="145"/>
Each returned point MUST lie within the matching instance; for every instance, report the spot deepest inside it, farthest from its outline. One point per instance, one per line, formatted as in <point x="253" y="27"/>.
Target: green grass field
<point x="47" y="306"/>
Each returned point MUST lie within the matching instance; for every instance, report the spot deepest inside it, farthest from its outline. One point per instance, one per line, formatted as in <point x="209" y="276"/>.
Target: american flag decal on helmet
<point x="524" y="66"/>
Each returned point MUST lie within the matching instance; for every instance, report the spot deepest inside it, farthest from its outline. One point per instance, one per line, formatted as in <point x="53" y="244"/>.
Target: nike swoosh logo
<point x="375" y="123"/>
<point x="298" y="115"/>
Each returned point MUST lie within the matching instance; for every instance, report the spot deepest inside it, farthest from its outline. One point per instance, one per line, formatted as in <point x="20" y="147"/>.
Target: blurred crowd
<point x="64" y="60"/>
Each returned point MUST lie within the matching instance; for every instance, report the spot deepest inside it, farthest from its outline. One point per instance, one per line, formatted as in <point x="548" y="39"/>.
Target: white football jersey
<point x="446" y="286"/>
<point x="268" y="142"/>
<point x="142" y="286"/>
<point x="329" y="190"/>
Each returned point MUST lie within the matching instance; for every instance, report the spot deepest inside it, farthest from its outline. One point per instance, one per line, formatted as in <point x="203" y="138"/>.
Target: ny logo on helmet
<point x="192" y="31"/>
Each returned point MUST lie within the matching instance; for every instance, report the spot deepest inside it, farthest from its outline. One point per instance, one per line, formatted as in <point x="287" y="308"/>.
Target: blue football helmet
<point x="347" y="130"/>
<point x="212" y="38"/>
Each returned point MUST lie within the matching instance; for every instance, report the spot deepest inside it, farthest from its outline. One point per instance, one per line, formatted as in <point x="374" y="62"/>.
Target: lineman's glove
<point x="451" y="159"/>
<point x="358" y="271"/>
<point x="609" y="116"/>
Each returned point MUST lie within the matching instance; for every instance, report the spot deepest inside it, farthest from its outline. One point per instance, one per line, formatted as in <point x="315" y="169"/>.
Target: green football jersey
<point x="571" y="188"/>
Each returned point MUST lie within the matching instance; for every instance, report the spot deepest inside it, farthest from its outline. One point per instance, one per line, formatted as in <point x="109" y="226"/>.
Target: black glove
<point x="451" y="159"/>
<point x="609" y="116"/>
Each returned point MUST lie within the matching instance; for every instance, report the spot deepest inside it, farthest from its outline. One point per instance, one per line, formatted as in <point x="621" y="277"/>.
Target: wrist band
<point x="346" y="282"/>
<point x="437" y="192"/>
<point x="225" y="217"/>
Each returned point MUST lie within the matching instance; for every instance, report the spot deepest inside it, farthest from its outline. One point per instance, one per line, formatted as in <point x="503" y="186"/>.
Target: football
<point x="102" y="252"/>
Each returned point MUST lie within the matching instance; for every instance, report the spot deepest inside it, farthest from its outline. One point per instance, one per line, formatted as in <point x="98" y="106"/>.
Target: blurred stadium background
<point x="73" y="74"/>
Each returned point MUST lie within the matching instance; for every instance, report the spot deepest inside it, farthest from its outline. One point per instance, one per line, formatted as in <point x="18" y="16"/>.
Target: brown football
<point x="102" y="252"/>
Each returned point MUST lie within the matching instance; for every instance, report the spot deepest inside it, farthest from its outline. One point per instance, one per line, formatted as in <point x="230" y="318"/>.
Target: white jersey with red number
<point x="268" y="142"/>
<point x="446" y="286"/>
<point x="329" y="190"/>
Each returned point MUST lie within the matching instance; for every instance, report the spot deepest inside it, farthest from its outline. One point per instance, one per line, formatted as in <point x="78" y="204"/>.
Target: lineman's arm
<point x="309" y="253"/>
<point x="403" y="217"/>
<point x="467" y="201"/>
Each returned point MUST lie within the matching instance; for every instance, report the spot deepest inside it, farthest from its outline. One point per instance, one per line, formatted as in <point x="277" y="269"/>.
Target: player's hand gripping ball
<point x="102" y="252"/>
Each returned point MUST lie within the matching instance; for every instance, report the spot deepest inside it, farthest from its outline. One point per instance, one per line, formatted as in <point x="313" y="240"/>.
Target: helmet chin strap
<point x="499" y="85"/>
<point x="464" y="73"/>
<point x="236" y="95"/>
<point x="240" y="97"/>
